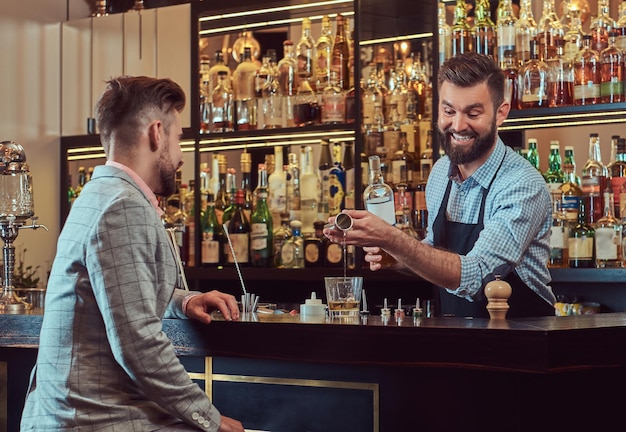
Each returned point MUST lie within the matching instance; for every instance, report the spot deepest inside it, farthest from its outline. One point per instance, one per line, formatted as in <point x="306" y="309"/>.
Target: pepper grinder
<point x="497" y="292"/>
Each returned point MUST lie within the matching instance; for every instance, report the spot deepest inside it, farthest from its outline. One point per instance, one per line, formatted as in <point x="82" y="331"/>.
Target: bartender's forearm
<point x="437" y="266"/>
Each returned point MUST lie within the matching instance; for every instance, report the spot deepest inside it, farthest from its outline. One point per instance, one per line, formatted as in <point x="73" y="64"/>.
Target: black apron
<point x="460" y="238"/>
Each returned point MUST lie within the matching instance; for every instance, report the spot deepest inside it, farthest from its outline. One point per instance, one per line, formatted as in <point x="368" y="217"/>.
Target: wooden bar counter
<point x="291" y="373"/>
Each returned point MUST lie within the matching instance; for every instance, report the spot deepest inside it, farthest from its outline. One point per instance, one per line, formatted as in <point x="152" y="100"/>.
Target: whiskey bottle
<point x="333" y="102"/>
<point x="570" y="194"/>
<point x="315" y="247"/>
<point x="222" y="108"/>
<point x="608" y="235"/>
<point x="218" y="66"/>
<point x="505" y="30"/>
<point x="600" y="27"/>
<point x="243" y="88"/>
<point x="612" y="72"/>
<point x="323" y="54"/>
<point x="510" y="70"/>
<point x="402" y="165"/>
<point x="525" y="31"/>
<point x="340" y="55"/>
<point x="261" y="225"/>
<point x="618" y="177"/>
<point x="549" y="31"/>
<point x="533" y="81"/>
<point x="587" y="76"/>
<point x="460" y="31"/>
<point x="239" y="233"/>
<point x="561" y="91"/>
<point x="292" y="252"/>
<point x="594" y="178"/>
<point x="620" y="27"/>
<point x="403" y="214"/>
<point x="306" y="110"/>
<point x="378" y="195"/>
<point x="574" y="35"/>
<point x="581" y="241"/>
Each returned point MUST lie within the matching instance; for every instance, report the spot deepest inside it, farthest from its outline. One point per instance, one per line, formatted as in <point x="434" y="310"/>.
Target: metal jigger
<point x="16" y="206"/>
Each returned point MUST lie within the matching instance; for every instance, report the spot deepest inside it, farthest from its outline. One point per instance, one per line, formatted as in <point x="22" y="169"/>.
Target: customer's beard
<point x="460" y="155"/>
<point x="167" y="174"/>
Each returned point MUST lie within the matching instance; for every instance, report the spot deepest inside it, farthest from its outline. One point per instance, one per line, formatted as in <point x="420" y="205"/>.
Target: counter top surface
<point x="537" y="345"/>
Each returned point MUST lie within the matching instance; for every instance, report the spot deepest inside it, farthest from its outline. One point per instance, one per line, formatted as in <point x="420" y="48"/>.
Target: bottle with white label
<point x="378" y="196"/>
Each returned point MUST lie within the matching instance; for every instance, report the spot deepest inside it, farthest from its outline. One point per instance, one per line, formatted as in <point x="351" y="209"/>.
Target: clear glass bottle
<point x="402" y="165"/>
<point x="261" y="225"/>
<point x="277" y="197"/>
<point x="323" y="54"/>
<point x="587" y="76"/>
<point x="333" y="102"/>
<point x="594" y="178"/>
<point x="573" y="36"/>
<point x="305" y="51"/>
<point x="549" y="31"/>
<point x="243" y="89"/>
<point x="533" y="81"/>
<point x="292" y="252"/>
<point x="559" y="237"/>
<point x="378" y="196"/>
<point x="505" y="30"/>
<point x="571" y="194"/>
<point x="239" y="233"/>
<point x="308" y="192"/>
<point x="306" y="110"/>
<point x="288" y="78"/>
<point x="618" y="177"/>
<point x="533" y="153"/>
<point x="293" y="186"/>
<point x="218" y="66"/>
<point x="221" y="199"/>
<point x="262" y="77"/>
<point x="612" y="72"/>
<point x="444" y="33"/>
<point x="608" y="235"/>
<point x="510" y="70"/>
<point x="374" y="134"/>
<point x="340" y="56"/>
<point x="281" y="235"/>
<point x="600" y="27"/>
<point x="460" y="31"/>
<point x="484" y="30"/>
<point x="525" y="31"/>
<point x="620" y="26"/>
<point x="222" y="109"/>
<point x="372" y="95"/>
<point x="404" y="211"/>
<point x="561" y="78"/>
<point x="212" y="236"/>
<point x="581" y="241"/>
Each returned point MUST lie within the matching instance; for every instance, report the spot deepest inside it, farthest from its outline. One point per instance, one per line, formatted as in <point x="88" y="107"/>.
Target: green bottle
<point x="213" y="237"/>
<point x="581" y="240"/>
<point x="261" y="234"/>
<point x="554" y="175"/>
<point x="533" y="154"/>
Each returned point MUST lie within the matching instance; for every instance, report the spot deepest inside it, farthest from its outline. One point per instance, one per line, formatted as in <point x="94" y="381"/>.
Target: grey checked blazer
<point x="103" y="361"/>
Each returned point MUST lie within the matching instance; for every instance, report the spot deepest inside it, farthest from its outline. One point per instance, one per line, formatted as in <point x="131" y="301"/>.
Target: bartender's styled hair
<point x="129" y="103"/>
<point x="470" y="69"/>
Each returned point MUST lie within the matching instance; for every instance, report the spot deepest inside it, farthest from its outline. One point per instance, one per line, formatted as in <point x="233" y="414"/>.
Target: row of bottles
<point x="588" y="210"/>
<point x="548" y="63"/>
<point x="84" y="175"/>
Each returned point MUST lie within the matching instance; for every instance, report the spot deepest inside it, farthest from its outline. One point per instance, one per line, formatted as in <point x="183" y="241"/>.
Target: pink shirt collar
<point x="142" y="184"/>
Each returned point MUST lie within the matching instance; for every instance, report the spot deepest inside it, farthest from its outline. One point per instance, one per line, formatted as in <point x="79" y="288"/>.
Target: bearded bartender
<point x="490" y="209"/>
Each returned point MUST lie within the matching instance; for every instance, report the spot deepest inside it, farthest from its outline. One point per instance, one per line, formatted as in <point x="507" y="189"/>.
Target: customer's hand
<point x="201" y="306"/>
<point x="230" y="425"/>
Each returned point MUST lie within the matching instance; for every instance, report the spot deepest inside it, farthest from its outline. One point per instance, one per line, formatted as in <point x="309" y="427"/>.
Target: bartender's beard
<point x="460" y="155"/>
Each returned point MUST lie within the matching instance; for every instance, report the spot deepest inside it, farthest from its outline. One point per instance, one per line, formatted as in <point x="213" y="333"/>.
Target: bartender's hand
<point x="367" y="229"/>
<point x="201" y="306"/>
<point x="230" y="425"/>
<point x="373" y="256"/>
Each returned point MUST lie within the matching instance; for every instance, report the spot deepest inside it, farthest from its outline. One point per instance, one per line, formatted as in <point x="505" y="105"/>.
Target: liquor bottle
<point x="336" y="182"/>
<point x="71" y="193"/>
<point x="89" y="174"/>
<point x="218" y="66"/>
<point x="533" y="154"/>
<point x="244" y="40"/>
<point x="533" y="81"/>
<point x="214" y="180"/>
<point x="569" y="159"/>
<point x="372" y="96"/>
<point x="272" y="103"/>
<point x="402" y="165"/>
<point x="324" y="165"/>
<point x="620" y="26"/>
<point x="204" y="93"/>
<point x="222" y="110"/>
<point x="281" y="235"/>
<point x="262" y="77"/>
<point x="308" y="193"/>
<point x="594" y="177"/>
<point x="245" y="162"/>
<point x="420" y="211"/>
<point x="612" y="72"/>
<point x="404" y="211"/>
<point x="333" y="102"/>
<point x="190" y="222"/>
<point x="460" y="31"/>
<point x="305" y="51"/>
<point x="82" y="180"/>
<point x="239" y="233"/>
<point x="334" y="254"/>
<point x="292" y="252"/>
<point x="554" y="174"/>
<point x="608" y="235"/>
<point x="587" y="76"/>
<point x="243" y="88"/>
<point x="505" y="30"/>
<point x="613" y="157"/>
<point x="571" y="194"/>
<point x="618" y="177"/>
<point x="561" y="76"/>
<point x="261" y="226"/>
<point x="293" y="190"/>
<point x="340" y="55"/>
<point x="559" y="237"/>
<point x="323" y="54"/>
<point x="510" y="70"/>
<point x="277" y="180"/>
<point x="549" y="31"/>
<point x="212" y="236"/>
<point x="348" y="165"/>
<point x="315" y="247"/>
<point x="581" y="241"/>
<point x="221" y="199"/>
<point x="288" y="79"/>
<point x="484" y="30"/>
<point x="374" y="136"/>
<point x="600" y="27"/>
<point x="525" y="31"/>
<point x="378" y="196"/>
<point x="306" y="110"/>
<point x="231" y="187"/>
<point x="574" y="35"/>
<point x="444" y="34"/>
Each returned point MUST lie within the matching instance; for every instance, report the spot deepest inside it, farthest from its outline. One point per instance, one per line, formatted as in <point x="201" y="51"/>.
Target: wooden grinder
<point x="497" y="293"/>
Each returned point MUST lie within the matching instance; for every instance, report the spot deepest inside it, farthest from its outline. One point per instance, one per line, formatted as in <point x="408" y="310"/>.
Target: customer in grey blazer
<point x="104" y="362"/>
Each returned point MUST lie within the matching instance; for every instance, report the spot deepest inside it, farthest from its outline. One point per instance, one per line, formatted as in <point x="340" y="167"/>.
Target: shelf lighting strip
<point x="581" y="119"/>
<point x="275" y="140"/>
<point x="274" y="9"/>
<point x="397" y="38"/>
<point x="86" y="153"/>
